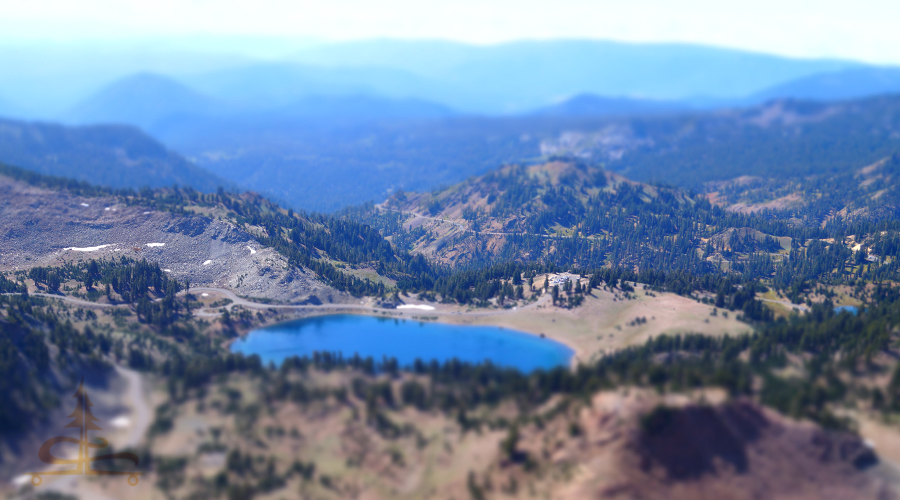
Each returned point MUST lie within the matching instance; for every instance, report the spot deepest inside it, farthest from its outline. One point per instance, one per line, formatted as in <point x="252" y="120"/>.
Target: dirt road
<point x="250" y="304"/>
<point x="238" y="301"/>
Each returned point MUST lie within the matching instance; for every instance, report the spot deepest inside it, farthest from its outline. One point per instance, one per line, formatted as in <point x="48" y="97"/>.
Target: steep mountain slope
<point x="47" y="227"/>
<point x="108" y="155"/>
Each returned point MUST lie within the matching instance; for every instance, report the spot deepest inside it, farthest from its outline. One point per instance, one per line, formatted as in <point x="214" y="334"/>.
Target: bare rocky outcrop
<point x="43" y="227"/>
<point x="732" y="450"/>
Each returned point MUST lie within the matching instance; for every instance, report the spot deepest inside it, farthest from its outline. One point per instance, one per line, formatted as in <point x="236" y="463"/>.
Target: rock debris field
<point x="44" y="227"/>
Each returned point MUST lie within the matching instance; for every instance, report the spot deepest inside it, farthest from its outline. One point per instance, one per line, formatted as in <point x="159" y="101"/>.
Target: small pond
<point x="405" y="340"/>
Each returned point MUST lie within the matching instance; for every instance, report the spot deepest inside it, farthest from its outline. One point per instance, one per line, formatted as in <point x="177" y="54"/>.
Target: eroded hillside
<point x="47" y="227"/>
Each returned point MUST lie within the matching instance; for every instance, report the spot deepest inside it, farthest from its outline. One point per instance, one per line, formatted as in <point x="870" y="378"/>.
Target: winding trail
<point x="250" y="304"/>
<point x="260" y="306"/>
<point x="141" y="418"/>
<point x="71" y="300"/>
<point x="238" y="301"/>
<point x="141" y="414"/>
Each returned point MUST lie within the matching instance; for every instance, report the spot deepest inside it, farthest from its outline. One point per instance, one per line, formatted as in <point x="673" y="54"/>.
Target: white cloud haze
<point x="862" y="30"/>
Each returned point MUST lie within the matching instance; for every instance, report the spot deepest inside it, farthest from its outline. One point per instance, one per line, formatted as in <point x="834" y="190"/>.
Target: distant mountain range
<point x="508" y="78"/>
<point x="143" y="100"/>
<point x="521" y="76"/>
<point x="398" y="80"/>
<point x="846" y="84"/>
<point x="345" y="123"/>
<point x="275" y="84"/>
<point x="850" y="83"/>
<point x="155" y="103"/>
<point x="318" y="167"/>
<point x="104" y="155"/>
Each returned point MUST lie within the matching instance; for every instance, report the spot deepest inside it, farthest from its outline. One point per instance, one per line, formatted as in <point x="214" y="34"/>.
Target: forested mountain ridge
<point x="550" y="199"/>
<point x="782" y="139"/>
<point x="576" y="215"/>
<point x="569" y="212"/>
<point x="870" y="192"/>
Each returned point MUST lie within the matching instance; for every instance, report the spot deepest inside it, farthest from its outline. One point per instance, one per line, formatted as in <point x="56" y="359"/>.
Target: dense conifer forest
<point x="574" y="216"/>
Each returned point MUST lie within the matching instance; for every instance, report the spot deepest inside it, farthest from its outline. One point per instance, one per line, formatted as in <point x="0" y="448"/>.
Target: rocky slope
<point x="45" y="227"/>
<point x="736" y="450"/>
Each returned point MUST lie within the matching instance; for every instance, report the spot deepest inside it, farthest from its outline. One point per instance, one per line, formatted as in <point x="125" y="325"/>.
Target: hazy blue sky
<point x="862" y="29"/>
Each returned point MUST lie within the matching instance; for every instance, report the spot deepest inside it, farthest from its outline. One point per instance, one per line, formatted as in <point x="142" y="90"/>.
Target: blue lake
<point x="850" y="309"/>
<point x="405" y="340"/>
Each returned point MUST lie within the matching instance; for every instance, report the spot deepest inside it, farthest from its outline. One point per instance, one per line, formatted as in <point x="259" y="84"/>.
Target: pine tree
<point x="82" y="414"/>
<point x="83" y="420"/>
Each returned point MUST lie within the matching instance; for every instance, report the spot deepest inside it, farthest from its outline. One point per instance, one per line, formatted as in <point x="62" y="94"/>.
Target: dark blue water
<point x="850" y="309"/>
<point x="404" y="340"/>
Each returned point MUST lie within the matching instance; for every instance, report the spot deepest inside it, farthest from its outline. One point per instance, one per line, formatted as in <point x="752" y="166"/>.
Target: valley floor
<point x="606" y="321"/>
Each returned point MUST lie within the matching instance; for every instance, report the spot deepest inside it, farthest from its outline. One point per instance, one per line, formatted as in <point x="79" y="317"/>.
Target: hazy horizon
<point x="830" y="30"/>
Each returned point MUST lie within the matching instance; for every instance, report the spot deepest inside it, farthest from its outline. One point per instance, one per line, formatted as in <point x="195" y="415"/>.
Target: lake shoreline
<point x="605" y="323"/>
<point x="399" y="336"/>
